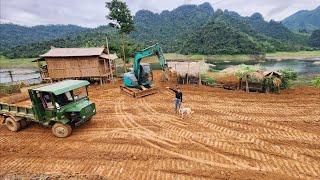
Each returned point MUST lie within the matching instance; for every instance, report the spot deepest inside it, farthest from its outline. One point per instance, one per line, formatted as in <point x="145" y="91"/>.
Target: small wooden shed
<point x="187" y="72"/>
<point x="79" y="63"/>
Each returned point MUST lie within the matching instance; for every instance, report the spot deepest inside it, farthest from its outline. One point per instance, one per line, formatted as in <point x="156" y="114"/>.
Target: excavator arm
<point x="149" y="51"/>
<point x="137" y="82"/>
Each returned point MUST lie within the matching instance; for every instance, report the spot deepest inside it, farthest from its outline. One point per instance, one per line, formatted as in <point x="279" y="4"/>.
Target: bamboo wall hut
<point x="79" y="63"/>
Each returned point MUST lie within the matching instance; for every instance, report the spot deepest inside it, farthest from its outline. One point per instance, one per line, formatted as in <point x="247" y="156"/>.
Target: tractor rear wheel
<point x="12" y="125"/>
<point x="23" y="123"/>
<point x="61" y="130"/>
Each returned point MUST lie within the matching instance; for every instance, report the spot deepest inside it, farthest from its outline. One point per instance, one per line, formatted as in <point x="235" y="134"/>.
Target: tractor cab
<point x="65" y="102"/>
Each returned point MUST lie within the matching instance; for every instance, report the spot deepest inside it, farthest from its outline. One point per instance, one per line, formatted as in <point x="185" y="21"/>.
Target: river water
<point x="29" y="76"/>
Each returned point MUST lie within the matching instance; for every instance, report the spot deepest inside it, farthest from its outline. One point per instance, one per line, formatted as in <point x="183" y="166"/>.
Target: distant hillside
<point x="188" y="29"/>
<point x="315" y="39"/>
<point x="270" y="36"/>
<point x="274" y="29"/>
<point x="181" y="29"/>
<point x="304" y="20"/>
<point x="220" y="39"/>
<point x="170" y="27"/>
<point x="14" y="35"/>
<point x="90" y="38"/>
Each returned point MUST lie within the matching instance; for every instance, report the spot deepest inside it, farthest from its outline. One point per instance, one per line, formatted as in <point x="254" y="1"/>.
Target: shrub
<point x="211" y="81"/>
<point x="288" y="75"/>
<point x="207" y="79"/>
<point x="316" y="82"/>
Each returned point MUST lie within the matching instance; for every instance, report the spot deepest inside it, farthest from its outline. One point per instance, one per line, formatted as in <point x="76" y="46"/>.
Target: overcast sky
<point x="91" y="13"/>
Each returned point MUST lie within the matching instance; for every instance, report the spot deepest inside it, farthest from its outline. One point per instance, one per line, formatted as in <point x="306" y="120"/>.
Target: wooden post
<point x="247" y="84"/>
<point x="240" y="84"/>
<point x="10" y="74"/>
<point x="115" y="66"/>
<point x="111" y="71"/>
<point x="124" y="56"/>
<point x="40" y="70"/>
<point x="109" y="60"/>
<point x="199" y="72"/>
<point x="105" y="66"/>
<point x="188" y="73"/>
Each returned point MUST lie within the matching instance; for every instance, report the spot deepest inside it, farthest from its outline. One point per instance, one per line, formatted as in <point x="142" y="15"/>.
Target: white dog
<point x="185" y="112"/>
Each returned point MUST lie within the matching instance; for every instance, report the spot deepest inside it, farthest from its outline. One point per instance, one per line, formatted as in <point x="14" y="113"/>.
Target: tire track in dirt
<point x="264" y="133"/>
<point x="284" y="163"/>
<point x="188" y="135"/>
<point x="143" y="139"/>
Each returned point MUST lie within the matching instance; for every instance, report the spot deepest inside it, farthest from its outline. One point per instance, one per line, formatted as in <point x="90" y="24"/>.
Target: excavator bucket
<point x="137" y="93"/>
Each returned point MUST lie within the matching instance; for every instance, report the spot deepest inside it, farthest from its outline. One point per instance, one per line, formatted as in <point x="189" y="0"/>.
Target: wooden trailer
<point x="78" y="63"/>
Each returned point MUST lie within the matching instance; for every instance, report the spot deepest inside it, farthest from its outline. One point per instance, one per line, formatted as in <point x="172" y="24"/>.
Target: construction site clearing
<point x="230" y="135"/>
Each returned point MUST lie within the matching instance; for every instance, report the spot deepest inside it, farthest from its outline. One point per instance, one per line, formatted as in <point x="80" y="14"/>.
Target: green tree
<point x="315" y="39"/>
<point x="119" y="12"/>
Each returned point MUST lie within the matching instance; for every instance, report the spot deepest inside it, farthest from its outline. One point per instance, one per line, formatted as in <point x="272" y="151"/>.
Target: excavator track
<point x="137" y="93"/>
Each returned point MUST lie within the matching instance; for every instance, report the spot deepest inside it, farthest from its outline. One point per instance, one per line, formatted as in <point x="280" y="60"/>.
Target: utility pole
<point x="107" y="43"/>
<point x="124" y="55"/>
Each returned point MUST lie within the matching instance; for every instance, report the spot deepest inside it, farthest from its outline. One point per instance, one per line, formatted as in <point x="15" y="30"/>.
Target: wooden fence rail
<point x="12" y="74"/>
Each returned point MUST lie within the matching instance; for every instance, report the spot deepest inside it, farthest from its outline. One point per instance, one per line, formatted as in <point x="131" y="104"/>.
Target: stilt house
<point x="79" y="63"/>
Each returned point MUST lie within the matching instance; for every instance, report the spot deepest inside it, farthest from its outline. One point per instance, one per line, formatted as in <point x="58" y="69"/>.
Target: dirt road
<point x="230" y="135"/>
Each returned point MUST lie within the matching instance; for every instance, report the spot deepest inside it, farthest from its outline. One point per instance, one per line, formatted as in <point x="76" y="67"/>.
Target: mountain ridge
<point x="14" y="35"/>
<point x="304" y="20"/>
<point x="271" y="36"/>
<point x="185" y="29"/>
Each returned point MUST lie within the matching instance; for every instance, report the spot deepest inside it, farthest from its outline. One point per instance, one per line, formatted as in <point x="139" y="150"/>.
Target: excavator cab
<point x="146" y="74"/>
<point x="145" y="80"/>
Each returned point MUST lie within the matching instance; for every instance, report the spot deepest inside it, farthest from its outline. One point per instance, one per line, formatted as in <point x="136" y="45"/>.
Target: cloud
<point x="91" y="13"/>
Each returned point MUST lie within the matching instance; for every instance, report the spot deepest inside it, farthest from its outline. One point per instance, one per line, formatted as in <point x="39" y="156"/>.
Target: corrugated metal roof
<point x="109" y="56"/>
<point x="70" y="52"/>
<point x="62" y="86"/>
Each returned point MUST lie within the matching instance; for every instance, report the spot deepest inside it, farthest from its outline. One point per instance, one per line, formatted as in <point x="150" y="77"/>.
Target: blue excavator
<point x="138" y="82"/>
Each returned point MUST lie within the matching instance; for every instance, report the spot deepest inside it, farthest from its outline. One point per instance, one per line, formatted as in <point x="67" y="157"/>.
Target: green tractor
<point x="62" y="105"/>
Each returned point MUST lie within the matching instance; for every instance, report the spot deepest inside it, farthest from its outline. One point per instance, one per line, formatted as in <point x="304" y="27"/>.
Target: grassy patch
<point x="198" y="57"/>
<point x="288" y="55"/>
<point x="17" y="63"/>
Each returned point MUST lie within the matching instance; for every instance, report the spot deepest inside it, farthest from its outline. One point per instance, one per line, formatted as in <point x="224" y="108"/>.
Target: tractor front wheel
<point x="61" y="130"/>
<point x="12" y="124"/>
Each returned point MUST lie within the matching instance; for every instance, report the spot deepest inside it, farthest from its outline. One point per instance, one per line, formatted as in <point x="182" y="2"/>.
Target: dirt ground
<point x="231" y="135"/>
